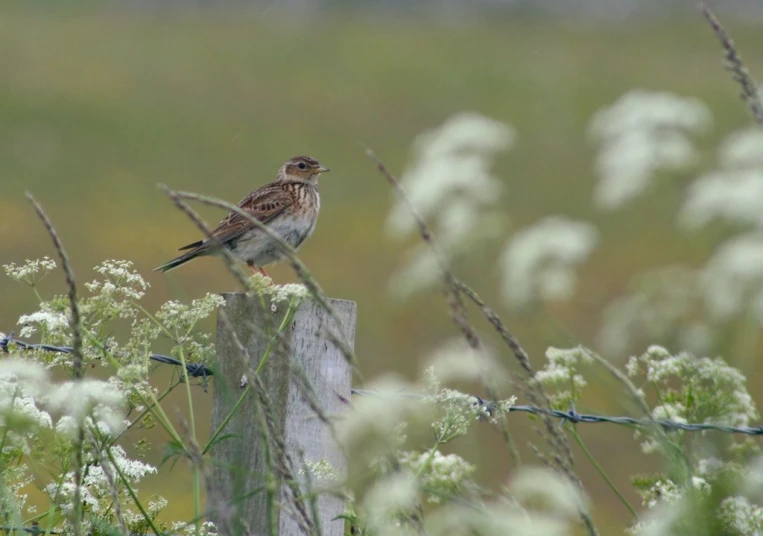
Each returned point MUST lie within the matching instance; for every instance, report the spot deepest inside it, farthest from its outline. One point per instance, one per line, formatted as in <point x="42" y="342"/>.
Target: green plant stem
<point x="192" y="426"/>
<point x="227" y="419"/>
<point x="428" y="459"/>
<point x="132" y="493"/>
<point x="600" y="470"/>
<point x="161" y="416"/>
<point x="288" y="317"/>
<point x="146" y="411"/>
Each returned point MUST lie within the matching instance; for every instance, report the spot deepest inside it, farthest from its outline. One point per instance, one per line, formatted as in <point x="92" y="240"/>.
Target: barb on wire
<point x="575" y="417"/>
<point x="196" y="370"/>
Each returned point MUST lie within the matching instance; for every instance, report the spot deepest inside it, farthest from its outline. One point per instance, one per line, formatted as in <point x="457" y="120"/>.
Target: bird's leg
<point x="257" y="269"/>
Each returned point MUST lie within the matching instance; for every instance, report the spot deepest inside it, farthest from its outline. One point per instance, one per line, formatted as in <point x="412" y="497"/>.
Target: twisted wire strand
<point x="198" y="370"/>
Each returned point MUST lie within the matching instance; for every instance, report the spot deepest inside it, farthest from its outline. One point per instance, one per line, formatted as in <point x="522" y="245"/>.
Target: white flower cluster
<point x="455" y="360"/>
<point x="86" y="398"/>
<point x="136" y="520"/>
<point x="321" y="471"/>
<point x="261" y="284"/>
<point x="640" y="134"/>
<point x="52" y="323"/>
<point x="733" y="193"/>
<point x="669" y="503"/>
<point x="700" y="390"/>
<point x="538" y="262"/>
<point x="96" y="489"/>
<point x="562" y="373"/>
<point x="390" y="498"/>
<point x="31" y="271"/>
<point x="661" y="306"/>
<point x="206" y="528"/>
<point x="740" y="517"/>
<point x="21" y="415"/>
<point x="450" y="182"/>
<point x="732" y="280"/>
<point x="371" y="424"/>
<point x="445" y="475"/>
<point x="115" y="295"/>
<point x="182" y="317"/>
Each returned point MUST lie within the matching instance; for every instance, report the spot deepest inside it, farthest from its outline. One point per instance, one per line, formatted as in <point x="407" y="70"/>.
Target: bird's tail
<point x="177" y="261"/>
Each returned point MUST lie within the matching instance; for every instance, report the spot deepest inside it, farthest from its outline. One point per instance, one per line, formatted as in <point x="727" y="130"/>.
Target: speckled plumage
<point x="289" y="206"/>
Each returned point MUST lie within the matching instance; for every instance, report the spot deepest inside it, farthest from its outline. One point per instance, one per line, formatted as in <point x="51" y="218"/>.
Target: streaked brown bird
<point x="288" y="206"/>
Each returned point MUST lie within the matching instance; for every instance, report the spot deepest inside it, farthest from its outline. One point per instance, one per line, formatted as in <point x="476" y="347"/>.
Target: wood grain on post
<point x="238" y="467"/>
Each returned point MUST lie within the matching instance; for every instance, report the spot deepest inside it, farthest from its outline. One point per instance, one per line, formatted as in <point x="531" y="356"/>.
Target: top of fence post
<point x="249" y="476"/>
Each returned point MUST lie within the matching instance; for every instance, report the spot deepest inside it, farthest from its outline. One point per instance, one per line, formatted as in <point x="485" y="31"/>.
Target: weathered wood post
<point x="239" y="465"/>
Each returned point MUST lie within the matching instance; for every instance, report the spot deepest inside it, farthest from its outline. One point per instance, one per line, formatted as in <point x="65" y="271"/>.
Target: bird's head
<point x="301" y="168"/>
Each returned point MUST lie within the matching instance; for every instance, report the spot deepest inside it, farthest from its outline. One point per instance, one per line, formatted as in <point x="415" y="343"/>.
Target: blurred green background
<point x="98" y="107"/>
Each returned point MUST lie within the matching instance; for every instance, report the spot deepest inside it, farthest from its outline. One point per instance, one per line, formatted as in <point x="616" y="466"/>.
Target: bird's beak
<point x="322" y="169"/>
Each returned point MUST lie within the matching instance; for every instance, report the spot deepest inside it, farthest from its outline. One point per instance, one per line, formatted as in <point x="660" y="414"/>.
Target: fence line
<point x="198" y="370"/>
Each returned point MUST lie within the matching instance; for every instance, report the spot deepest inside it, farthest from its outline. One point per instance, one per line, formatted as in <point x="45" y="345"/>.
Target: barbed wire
<point x="198" y="370"/>
<point x="574" y="417"/>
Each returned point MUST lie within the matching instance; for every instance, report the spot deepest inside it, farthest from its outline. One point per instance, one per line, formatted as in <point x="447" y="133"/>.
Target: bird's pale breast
<point x="294" y="228"/>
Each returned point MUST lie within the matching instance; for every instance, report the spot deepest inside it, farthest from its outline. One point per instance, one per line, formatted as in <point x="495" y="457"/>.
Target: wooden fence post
<point x="239" y="465"/>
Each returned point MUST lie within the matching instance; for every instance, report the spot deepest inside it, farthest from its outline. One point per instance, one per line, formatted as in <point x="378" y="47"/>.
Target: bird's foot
<point x="259" y="270"/>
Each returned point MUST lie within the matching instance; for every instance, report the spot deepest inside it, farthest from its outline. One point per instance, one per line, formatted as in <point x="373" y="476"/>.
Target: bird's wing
<point x="264" y="204"/>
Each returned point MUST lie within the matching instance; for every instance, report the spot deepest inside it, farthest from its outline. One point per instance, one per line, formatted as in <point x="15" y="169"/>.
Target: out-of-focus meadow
<point x="97" y="108"/>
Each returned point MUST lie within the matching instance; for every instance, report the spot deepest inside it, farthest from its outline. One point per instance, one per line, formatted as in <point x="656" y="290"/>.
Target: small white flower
<point x="31" y="271"/>
<point x="540" y="483"/>
<point x="450" y="184"/>
<point x="53" y="322"/>
<point x="562" y="373"/>
<point x="321" y="471"/>
<point x="733" y="278"/>
<point x="390" y="497"/>
<point x="641" y="133"/>
<point x="538" y="262"/>
<point x="639" y="109"/>
<point x="451" y="160"/>
<point x="740" y="517"/>
<point x="446" y="474"/>
<point x="455" y="360"/>
<point x="84" y="398"/>
<point x="207" y="528"/>
<point x="660" y="307"/>
<point x="742" y="149"/>
<point x="731" y="195"/>
<point x="377" y="416"/>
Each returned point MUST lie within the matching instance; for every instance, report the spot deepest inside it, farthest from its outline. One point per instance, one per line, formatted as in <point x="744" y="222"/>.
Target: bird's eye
<point x="302" y="165"/>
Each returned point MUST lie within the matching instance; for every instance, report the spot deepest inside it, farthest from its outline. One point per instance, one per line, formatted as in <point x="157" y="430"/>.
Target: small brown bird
<point x="288" y="206"/>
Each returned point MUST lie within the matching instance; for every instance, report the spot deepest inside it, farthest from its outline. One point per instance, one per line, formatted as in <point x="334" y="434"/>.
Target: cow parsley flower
<point x="562" y="373"/>
<point x="53" y="323"/>
<point x="31" y="271"/>
<point x="733" y="196"/>
<point x="640" y="134"/>
<point x="207" y="528"/>
<point x="21" y="410"/>
<point x="389" y="498"/>
<point x="660" y="306"/>
<point x="440" y="474"/>
<point x="694" y="389"/>
<point x="96" y="489"/>
<point x="740" y="517"/>
<point x="742" y="149"/>
<point x="732" y="280"/>
<point x="450" y="184"/>
<point x="538" y="262"/>
<point x="89" y="398"/>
